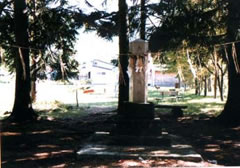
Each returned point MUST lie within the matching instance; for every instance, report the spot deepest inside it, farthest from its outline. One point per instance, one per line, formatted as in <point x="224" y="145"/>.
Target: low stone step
<point x="125" y="140"/>
<point x="129" y="140"/>
<point x="138" y="127"/>
<point x="178" y="150"/>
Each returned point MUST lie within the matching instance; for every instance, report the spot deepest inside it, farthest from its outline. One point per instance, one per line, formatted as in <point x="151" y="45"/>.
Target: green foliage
<point x="105" y="24"/>
<point x="176" y="62"/>
<point x="190" y="25"/>
<point x="70" y="67"/>
<point x="195" y="23"/>
<point x="52" y="29"/>
<point x="114" y="62"/>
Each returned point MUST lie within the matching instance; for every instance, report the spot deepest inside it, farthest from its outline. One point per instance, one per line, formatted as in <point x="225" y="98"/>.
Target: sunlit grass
<point x="196" y="105"/>
<point x="59" y="101"/>
<point x="71" y="111"/>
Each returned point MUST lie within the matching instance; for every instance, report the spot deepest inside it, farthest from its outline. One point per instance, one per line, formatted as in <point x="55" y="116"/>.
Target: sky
<point x="89" y="46"/>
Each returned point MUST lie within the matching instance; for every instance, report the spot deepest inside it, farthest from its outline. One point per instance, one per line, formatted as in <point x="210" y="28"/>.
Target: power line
<point x="16" y="46"/>
<point x="218" y="45"/>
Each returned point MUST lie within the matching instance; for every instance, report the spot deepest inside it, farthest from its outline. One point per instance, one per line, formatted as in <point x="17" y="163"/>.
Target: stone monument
<point x="138" y="115"/>
<point x="138" y="62"/>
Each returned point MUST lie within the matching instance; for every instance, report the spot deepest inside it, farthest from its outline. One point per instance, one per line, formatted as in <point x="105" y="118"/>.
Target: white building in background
<point x="104" y="74"/>
<point x="98" y="72"/>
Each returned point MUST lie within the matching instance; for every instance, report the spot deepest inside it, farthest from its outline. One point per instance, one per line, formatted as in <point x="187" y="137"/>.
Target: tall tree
<point x="54" y="30"/>
<point x="123" y="55"/>
<point x="22" y="109"/>
<point x="231" y="113"/>
<point x="143" y="20"/>
<point x="52" y="33"/>
<point x="42" y="32"/>
<point x="34" y="57"/>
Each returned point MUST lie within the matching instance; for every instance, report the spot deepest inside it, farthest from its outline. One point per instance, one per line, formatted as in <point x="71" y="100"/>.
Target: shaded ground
<point x="215" y="143"/>
<point x="53" y="143"/>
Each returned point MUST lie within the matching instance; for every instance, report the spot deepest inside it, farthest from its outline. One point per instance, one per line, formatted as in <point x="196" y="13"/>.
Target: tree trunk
<point x="205" y="86"/>
<point x="33" y="89"/>
<point x="34" y="76"/>
<point x="62" y="67"/>
<point x="200" y="86"/>
<point x="215" y="84"/>
<point x="197" y="87"/>
<point x="194" y="73"/>
<point x="143" y="20"/>
<point x="220" y="88"/>
<point x="123" y="55"/>
<point x="231" y="113"/>
<point x="22" y="108"/>
<point x="34" y="57"/>
<point x="209" y="84"/>
<point x="220" y="84"/>
<point x="1" y="56"/>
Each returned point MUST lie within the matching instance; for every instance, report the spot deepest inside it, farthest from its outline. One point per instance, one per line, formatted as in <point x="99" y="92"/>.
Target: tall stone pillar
<point x="138" y="62"/>
<point x="138" y="115"/>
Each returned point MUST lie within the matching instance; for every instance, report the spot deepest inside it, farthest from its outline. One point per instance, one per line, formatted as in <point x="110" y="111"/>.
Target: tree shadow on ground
<point x="53" y="143"/>
<point x="47" y="143"/>
<point x="43" y="143"/>
<point x="216" y="143"/>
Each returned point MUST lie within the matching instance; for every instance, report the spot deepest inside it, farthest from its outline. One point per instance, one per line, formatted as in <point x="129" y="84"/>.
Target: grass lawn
<point x="196" y="105"/>
<point x="59" y="101"/>
<point x="56" y="100"/>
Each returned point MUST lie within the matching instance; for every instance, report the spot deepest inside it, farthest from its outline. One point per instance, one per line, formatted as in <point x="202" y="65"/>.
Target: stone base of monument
<point x="138" y="120"/>
<point x="138" y="111"/>
<point x="137" y="134"/>
<point x="138" y="127"/>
